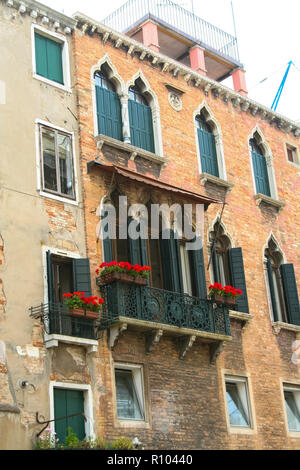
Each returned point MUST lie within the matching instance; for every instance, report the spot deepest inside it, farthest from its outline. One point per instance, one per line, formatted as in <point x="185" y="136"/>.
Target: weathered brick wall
<point x="185" y="399"/>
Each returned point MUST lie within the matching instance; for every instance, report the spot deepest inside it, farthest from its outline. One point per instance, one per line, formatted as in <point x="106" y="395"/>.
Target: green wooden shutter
<point x="237" y="273"/>
<point x="50" y="278"/>
<point x="272" y="290"/>
<point x="208" y="153"/>
<point x="48" y="56"/>
<point x="199" y="273"/>
<point x="68" y="402"/>
<point x="107" y="244"/>
<point x="290" y="293"/>
<point x="41" y="55"/>
<point x="82" y="276"/>
<point x="261" y="174"/>
<point x="109" y="113"/>
<point x="215" y="266"/>
<point x="171" y="262"/>
<point x="141" y="125"/>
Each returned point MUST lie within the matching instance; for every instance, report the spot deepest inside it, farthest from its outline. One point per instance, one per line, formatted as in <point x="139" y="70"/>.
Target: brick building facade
<point x="203" y="143"/>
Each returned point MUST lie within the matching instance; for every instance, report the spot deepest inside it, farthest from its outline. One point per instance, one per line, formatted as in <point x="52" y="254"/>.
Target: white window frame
<point x="52" y="340"/>
<point x="290" y="387"/>
<point x="245" y="379"/>
<point x="65" y="57"/>
<point x="42" y="192"/>
<point x="138" y="378"/>
<point x="88" y="404"/>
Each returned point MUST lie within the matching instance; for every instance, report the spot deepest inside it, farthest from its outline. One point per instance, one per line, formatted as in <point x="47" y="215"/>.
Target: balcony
<point x="178" y="28"/>
<point x="61" y="326"/>
<point x="157" y="312"/>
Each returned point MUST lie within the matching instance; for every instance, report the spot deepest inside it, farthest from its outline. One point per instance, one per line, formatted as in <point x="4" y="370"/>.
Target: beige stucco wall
<point x="28" y="221"/>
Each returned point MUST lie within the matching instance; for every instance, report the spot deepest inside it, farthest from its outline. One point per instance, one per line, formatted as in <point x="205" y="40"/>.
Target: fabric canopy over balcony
<point x="198" y="198"/>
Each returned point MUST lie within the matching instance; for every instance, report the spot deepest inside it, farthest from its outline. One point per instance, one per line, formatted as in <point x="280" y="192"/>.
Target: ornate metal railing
<point x="133" y="10"/>
<point x="58" y="320"/>
<point x="161" y="306"/>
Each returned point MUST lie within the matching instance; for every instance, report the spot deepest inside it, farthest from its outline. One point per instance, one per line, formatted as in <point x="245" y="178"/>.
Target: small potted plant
<point x="231" y="294"/>
<point x="122" y="271"/>
<point x="81" y="306"/>
<point x="216" y="293"/>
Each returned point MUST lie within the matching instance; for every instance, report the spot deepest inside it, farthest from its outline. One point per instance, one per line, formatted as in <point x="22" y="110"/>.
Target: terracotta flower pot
<point x="82" y="313"/>
<point x="217" y="298"/>
<point x="231" y="301"/>
<point x="124" y="277"/>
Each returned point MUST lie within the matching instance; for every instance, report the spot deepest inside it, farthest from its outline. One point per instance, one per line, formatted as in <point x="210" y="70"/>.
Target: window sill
<point x="237" y="430"/>
<point x="269" y="200"/>
<point x="51" y="341"/>
<point x="59" y="198"/>
<point x="207" y="178"/>
<point x="244" y="318"/>
<point x="130" y="149"/>
<point x="124" y="423"/>
<point x="52" y="83"/>
<point x="278" y="326"/>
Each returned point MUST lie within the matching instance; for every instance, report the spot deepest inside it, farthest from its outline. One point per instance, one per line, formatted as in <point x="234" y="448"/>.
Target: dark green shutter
<point x="141" y="125"/>
<point x="50" y="278"/>
<point x="68" y="402"/>
<point x="290" y="293"/>
<point x="48" y="56"/>
<point x="107" y="244"/>
<point x="82" y="276"/>
<point x="261" y="174"/>
<point x="199" y="273"/>
<point x="208" y="153"/>
<point x="238" y="277"/>
<point x="171" y="262"/>
<point x="109" y="113"/>
<point x="272" y="290"/>
<point x="215" y="266"/>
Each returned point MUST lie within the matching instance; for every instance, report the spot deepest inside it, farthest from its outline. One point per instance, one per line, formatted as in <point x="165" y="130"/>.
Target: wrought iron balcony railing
<point x="57" y="320"/>
<point x="162" y="307"/>
<point x="183" y="20"/>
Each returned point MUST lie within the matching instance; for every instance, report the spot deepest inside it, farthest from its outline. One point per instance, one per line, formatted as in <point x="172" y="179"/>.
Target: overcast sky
<point x="268" y="38"/>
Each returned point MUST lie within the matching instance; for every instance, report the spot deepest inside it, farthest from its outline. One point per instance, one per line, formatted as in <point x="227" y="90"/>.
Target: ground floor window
<point x="238" y="402"/>
<point x="292" y="406"/>
<point x="129" y="392"/>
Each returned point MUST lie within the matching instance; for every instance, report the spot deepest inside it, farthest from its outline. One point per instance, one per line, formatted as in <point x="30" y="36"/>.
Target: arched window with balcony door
<point x="108" y="106"/>
<point x="259" y="164"/>
<point x="140" y="118"/>
<point x="282" y="286"/>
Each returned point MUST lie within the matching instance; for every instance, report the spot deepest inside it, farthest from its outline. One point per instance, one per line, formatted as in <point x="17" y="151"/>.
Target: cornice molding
<point x="38" y="11"/>
<point x="167" y="65"/>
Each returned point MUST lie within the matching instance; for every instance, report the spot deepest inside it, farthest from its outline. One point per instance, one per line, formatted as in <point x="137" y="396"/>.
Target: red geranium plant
<point x="124" y="267"/>
<point x="77" y="300"/>
<point x="221" y="294"/>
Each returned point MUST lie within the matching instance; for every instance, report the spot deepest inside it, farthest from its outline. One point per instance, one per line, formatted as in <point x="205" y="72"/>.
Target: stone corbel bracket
<point x="215" y="350"/>
<point x="185" y="344"/>
<point x="115" y="333"/>
<point x="278" y="326"/>
<point x="152" y="339"/>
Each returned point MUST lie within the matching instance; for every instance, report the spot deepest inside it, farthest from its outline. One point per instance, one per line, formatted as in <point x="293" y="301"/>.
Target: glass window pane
<point x="238" y="415"/>
<point x="127" y="403"/>
<point x="293" y="413"/>
<point x="49" y="161"/>
<point x="65" y="164"/>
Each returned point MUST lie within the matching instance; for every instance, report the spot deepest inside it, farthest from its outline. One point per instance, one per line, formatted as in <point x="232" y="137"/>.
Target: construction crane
<point x="280" y="89"/>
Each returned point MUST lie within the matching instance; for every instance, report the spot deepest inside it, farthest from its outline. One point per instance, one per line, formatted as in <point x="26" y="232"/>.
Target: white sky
<point x="267" y="33"/>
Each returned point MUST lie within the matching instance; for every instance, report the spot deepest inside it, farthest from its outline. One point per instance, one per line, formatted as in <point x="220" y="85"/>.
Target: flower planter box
<point x="82" y="313"/>
<point x="217" y="298"/>
<point x="116" y="276"/>
<point x="231" y="301"/>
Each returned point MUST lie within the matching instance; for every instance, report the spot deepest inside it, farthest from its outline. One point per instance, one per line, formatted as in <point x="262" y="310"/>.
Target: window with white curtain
<point x="238" y="402"/>
<point x="129" y="392"/>
<point x="292" y="406"/>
